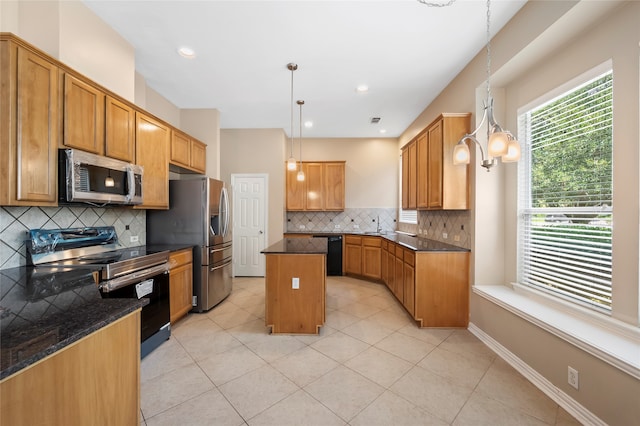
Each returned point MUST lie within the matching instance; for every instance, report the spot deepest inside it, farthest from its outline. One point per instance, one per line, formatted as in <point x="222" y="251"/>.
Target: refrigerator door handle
<point x="221" y="266"/>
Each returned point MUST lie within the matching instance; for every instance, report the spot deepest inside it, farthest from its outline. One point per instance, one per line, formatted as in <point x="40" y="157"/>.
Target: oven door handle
<point x="133" y="278"/>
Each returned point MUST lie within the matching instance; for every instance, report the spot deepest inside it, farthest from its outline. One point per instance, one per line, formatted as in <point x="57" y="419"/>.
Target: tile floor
<point x="370" y="365"/>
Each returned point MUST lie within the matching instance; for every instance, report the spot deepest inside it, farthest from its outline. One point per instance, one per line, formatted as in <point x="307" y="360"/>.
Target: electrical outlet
<point x="419" y="231"/>
<point x="337" y="226"/>
<point x="445" y="235"/>
<point x="301" y="226"/>
<point x="356" y="226"/>
<point x="456" y="238"/>
<point x="573" y="377"/>
<point x="295" y="283"/>
<point x="134" y="239"/>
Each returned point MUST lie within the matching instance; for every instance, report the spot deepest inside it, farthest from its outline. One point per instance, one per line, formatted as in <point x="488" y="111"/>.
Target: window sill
<point x="608" y="339"/>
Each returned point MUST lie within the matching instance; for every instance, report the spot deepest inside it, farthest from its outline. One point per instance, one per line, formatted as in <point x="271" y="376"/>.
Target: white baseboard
<point x="560" y="397"/>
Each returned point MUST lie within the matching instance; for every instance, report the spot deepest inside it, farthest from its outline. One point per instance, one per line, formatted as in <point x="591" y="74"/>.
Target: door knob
<point x="261" y="232"/>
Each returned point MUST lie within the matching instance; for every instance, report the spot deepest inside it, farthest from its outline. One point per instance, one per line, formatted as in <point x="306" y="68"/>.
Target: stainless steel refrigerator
<point x="198" y="215"/>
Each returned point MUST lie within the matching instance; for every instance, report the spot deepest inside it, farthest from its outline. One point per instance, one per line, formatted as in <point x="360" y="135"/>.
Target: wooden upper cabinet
<point x="334" y="186"/>
<point x="409" y="175"/>
<point x="152" y="153"/>
<point x="29" y="100"/>
<point x="120" y="130"/>
<point x="314" y="180"/>
<point x="83" y="116"/>
<point x="322" y="189"/>
<point x="187" y="153"/>
<point x="439" y="184"/>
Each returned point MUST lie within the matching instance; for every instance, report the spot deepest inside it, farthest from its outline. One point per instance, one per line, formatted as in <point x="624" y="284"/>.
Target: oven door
<point x="152" y="284"/>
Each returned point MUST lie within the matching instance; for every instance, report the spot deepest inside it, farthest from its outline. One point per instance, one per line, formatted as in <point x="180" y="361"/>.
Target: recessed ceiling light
<point x="363" y="88"/>
<point x="383" y="131"/>
<point x="187" y="52"/>
<point x="308" y="124"/>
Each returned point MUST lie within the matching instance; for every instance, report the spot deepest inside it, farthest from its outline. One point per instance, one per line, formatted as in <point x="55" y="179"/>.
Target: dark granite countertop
<point x="43" y="310"/>
<point x="406" y="240"/>
<point x="298" y="246"/>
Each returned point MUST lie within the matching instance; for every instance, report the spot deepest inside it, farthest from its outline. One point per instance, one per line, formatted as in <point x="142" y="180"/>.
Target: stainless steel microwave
<point x="88" y="178"/>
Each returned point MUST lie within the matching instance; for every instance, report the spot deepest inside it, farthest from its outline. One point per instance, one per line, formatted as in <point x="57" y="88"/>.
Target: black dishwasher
<point x="334" y="253"/>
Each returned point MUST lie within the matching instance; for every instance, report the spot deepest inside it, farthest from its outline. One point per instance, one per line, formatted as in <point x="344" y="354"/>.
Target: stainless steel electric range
<point x="132" y="272"/>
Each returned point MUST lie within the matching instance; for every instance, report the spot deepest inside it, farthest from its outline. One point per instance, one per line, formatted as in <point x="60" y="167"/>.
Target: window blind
<point x="565" y="218"/>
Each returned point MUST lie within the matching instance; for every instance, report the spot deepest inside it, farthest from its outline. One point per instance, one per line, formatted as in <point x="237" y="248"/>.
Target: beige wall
<point x="204" y="125"/>
<point x="258" y="151"/>
<point x="546" y="45"/>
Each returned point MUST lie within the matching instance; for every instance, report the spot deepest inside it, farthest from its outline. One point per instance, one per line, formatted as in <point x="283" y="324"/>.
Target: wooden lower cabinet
<point x="398" y="280"/>
<point x="353" y="255"/>
<point x="181" y="283"/>
<point x="94" y="381"/>
<point x="371" y="256"/>
<point x="408" y="281"/>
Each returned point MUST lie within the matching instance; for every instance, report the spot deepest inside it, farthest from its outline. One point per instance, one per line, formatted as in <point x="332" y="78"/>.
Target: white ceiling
<point x="404" y="51"/>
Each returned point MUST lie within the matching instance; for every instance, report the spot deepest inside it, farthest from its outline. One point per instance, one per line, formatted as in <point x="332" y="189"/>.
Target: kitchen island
<point x="295" y="285"/>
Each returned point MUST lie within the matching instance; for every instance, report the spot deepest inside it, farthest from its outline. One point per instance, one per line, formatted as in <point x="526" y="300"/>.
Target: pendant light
<point x="291" y="162"/>
<point x="500" y="143"/>
<point x="300" y="175"/>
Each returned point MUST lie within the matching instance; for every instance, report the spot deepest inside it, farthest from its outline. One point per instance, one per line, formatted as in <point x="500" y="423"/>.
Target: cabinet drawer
<point x="350" y="239"/>
<point x="399" y="251"/>
<point x="409" y="257"/>
<point x="181" y="257"/>
<point x="371" y="241"/>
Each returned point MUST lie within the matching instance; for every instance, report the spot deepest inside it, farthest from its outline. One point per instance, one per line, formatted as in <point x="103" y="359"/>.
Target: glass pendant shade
<point x="461" y="154"/>
<point x="291" y="164"/>
<point x="300" y="176"/>
<point x="498" y="142"/>
<point x="513" y="152"/>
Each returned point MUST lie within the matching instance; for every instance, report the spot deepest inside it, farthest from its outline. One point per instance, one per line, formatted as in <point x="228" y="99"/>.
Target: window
<point x="405" y="216"/>
<point x="565" y="195"/>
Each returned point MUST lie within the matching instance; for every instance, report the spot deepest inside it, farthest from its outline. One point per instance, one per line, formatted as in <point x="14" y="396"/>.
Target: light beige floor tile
<point x="379" y="366"/>
<point x="250" y="299"/>
<point x="390" y="409"/>
<point x="210" y="408"/>
<point x="226" y="366"/>
<point x="340" y="346"/>
<point x="465" y="343"/>
<point x="257" y="390"/>
<point x="380" y="301"/>
<point x="237" y="293"/>
<point x="297" y="409"/>
<point x="463" y="370"/>
<point x="250" y="331"/>
<point x="195" y="328"/>
<point x="482" y="411"/>
<point x="405" y="347"/>
<point x="233" y="319"/>
<point x="392" y="320"/>
<point x="275" y="346"/>
<point x="435" y="336"/>
<point x="309" y="339"/>
<point x="304" y="365"/>
<point x="223" y="308"/>
<point x="344" y="392"/>
<point x="168" y="390"/>
<point x="432" y="393"/>
<point x="186" y="320"/>
<point x="563" y="418"/>
<point x="340" y="320"/>
<point x="368" y="331"/>
<point x="256" y="310"/>
<point x="165" y="358"/>
<point x="504" y="384"/>
<point x="206" y="344"/>
<point x="360" y="310"/>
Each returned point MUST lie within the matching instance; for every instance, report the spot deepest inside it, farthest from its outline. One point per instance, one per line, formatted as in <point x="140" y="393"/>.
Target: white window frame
<point x="524" y="182"/>
<point x="405" y="216"/>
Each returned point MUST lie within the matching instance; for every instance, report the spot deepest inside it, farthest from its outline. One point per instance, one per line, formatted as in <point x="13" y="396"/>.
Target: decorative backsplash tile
<point x="358" y="220"/>
<point x="434" y="224"/>
<point x="15" y="222"/>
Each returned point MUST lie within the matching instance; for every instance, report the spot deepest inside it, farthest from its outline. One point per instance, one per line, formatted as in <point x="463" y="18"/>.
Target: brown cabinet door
<point x="391" y="262"/>
<point x="120" y="130"/>
<point x="422" y="154"/>
<point x="180" y="149"/>
<point x="83" y="116"/>
<point x="371" y="256"/>
<point x="334" y="186"/>
<point x="181" y="291"/>
<point x="409" y="282"/>
<point x="413" y="175"/>
<point x="314" y="182"/>
<point x="353" y="259"/>
<point x="405" y="178"/>
<point x="152" y="153"/>
<point x="398" y="281"/>
<point x="295" y="191"/>
<point x="29" y="147"/>
<point x="434" y="169"/>
<point x="198" y="156"/>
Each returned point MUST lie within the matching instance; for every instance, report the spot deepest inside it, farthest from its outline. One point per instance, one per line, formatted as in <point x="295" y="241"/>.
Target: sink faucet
<point x="378" y="222"/>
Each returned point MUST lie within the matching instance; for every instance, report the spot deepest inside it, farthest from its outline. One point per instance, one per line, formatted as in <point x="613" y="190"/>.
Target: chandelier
<point x="291" y="162"/>
<point x="300" y="175"/>
<point x="500" y="143"/>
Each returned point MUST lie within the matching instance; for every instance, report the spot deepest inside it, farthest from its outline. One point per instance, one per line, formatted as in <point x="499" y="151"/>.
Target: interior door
<point x="249" y="224"/>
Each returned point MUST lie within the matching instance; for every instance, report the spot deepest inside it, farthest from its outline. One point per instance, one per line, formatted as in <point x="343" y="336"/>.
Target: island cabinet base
<point x="94" y="381"/>
<point x="289" y="310"/>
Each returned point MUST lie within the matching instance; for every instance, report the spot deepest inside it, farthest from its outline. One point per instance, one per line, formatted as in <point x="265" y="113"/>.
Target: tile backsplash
<point x="358" y="220"/>
<point x="434" y="224"/>
<point x="16" y="221"/>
